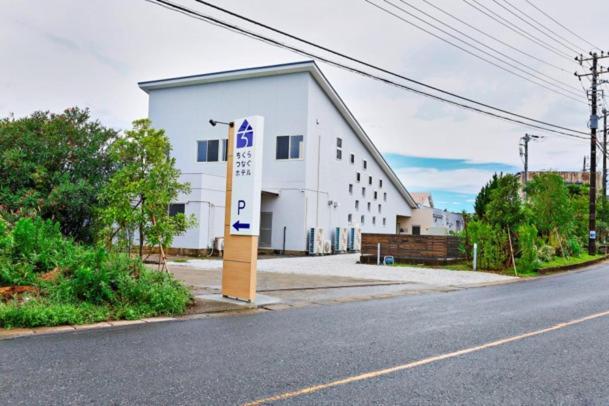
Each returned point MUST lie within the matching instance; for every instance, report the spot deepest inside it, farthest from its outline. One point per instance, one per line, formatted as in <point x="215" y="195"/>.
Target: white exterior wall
<point x="292" y="104"/>
<point x="184" y="112"/>
<point x="326" y="124"/>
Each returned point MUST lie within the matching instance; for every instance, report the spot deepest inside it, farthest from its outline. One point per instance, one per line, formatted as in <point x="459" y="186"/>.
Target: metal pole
<point x="593" y="126"/>
<point x="475" y="256"/>
<point x="378" y="253"/>
<point x="604" y="154"/>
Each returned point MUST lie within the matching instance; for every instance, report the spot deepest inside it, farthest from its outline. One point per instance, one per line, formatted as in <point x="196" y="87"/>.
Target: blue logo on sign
<point x="245" y="135"/>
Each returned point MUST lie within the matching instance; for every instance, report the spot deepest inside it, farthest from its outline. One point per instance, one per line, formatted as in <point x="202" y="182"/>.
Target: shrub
<point x="492" y="242"/>
<point x="90" y="284"/>
<point x="574" y="247"/>
<point x="546" y="253"/>
<point x="527" y="238"/>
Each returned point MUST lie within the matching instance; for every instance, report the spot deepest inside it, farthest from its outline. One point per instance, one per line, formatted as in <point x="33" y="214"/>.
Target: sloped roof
<point x="422" y="198"/>
<point x="283" y="69"/>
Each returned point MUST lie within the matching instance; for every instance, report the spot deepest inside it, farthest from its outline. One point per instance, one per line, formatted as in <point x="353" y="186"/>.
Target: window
<point x="364" y="191"/>
<point x="379" y="208"/>
<point x="339" y="142"/>
<point x="225" y="150"/>
<point x="416" y="230"/>
<point x="339" y="148"/>
<point x="350" y="188"/>
<point x="365" y="164"/>
<point x="370" y="180"/>
<point x="376" y="195"/>
<point x="369" y="206"/>
<point x="208" y="150"/>
<point x="384" y="221"/>
<point x="385" y="196"/>
<point x="358" y="176"/>
<point x="352" y="158"/>
<point x="363" y="218"/>
<point x="373" y="220"/>
<point x="176" y="208"/>
<point x="289" y="147"/>
<point x="349" y="218"/>
<point x="380" y="182"/>
<point x="339" y="154"/>
<point x="356" y="204"/>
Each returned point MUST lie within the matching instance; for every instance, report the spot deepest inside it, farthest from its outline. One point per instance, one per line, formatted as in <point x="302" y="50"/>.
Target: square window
<point x="352" y="158"/>
<point x="177" y="208"/>
<point x="208" y="150"/>
<point x="350" y="188"/>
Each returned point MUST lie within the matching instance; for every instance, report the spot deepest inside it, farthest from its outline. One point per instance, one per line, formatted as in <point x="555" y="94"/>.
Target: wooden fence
<point x="411" y="248"/>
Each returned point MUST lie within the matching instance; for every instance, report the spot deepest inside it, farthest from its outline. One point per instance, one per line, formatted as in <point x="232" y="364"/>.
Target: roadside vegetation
<point x="80" y="207"/>
<point x="521" y="236"/>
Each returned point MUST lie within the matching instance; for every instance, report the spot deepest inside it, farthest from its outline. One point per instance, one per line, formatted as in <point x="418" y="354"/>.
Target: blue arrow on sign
<point x="239" y="225"/>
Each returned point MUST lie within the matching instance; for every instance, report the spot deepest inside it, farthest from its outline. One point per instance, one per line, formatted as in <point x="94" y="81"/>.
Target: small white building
<point x="320" y="169"/>
<point x="428" y="220"/>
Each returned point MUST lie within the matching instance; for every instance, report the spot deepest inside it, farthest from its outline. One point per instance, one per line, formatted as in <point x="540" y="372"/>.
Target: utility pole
<point x="604" y="155"/>
<point x="594" y="72"/>
<point x="525" y="146"/>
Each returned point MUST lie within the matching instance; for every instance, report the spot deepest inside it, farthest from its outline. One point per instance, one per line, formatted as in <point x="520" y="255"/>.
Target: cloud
<point x="460" y="180"/>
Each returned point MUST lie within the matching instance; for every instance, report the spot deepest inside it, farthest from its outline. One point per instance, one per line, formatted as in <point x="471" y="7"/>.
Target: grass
<point x="566" y="261"/>
<point x="451" y="267"/>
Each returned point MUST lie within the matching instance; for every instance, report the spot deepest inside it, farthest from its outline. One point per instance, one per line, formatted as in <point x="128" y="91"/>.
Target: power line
<point x="495" y="38"/>
<point x="542" y="25"/>
<point x="215" y="21"/>
<point x="565" y="87"/>
<point x="561" y="25"/>
<point x="508" y="24"/>
<point x="577" y="51"/>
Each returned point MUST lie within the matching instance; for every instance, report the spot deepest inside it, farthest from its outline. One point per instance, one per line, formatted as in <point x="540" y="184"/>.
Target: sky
<point x="92" y="54"/>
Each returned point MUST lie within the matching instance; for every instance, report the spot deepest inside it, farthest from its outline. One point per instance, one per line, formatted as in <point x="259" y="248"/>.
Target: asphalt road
<point x="240" y="359"/>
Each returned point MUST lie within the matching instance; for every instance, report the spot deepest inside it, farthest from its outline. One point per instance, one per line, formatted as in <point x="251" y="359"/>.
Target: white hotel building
<point x="320" y="170"/>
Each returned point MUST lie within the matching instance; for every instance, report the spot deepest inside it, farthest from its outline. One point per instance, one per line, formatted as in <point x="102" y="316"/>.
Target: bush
<point x="546" y="253"/>
<point x="527" y="241"/>
<point x="90" y="284"/>
<point x="492" y="242"/>
<point x="574" y="247"/>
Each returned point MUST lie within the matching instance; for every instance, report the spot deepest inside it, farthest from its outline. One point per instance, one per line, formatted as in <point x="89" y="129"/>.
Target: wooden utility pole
<point x="525" y="144"/>
<point x="594" y="73"/>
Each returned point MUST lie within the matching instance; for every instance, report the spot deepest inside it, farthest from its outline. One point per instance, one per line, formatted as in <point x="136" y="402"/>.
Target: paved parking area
<point x="346" y="266"/>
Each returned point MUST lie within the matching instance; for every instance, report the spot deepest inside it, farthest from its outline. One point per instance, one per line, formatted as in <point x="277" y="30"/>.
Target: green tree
<point x="138" y="194"/>
<point x="551" y="209"/>
<point x="54" y="165"/>
<point x="504" y="208"/>
<point x="484" y="197"/>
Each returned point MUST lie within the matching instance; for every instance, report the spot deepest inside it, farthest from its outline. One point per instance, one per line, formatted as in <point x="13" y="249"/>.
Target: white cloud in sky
<point x="459" y="180"/>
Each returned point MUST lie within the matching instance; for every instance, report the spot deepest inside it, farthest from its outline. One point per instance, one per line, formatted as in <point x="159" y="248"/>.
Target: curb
<point x="563" y="268"/>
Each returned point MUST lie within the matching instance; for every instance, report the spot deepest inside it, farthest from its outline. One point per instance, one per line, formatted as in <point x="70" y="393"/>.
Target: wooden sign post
<point x="242" y="208"/>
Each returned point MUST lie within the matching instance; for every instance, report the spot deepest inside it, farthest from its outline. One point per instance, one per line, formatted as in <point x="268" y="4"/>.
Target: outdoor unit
<point x="355" y="239"/>
<point x="315" y="241"/>
<point x="327" y="247"/>
<point x="340" y="239"/>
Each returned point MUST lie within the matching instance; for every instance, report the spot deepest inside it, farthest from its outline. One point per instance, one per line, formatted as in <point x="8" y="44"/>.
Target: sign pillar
<point x="242" y="208"/>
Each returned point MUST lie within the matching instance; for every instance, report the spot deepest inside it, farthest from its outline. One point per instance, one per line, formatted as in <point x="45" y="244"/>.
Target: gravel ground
<point x="346" y="266"/>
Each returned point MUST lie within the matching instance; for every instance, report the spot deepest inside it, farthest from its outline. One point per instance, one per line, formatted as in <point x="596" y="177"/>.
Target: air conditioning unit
<point x="327" y="248"/>
<point x="355" y="239"/>
<point x="315" y="241"/>
<point x="340" y="240"/>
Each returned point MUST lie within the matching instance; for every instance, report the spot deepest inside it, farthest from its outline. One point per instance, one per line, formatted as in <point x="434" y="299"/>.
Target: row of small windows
<point x="376" y="193"/>
<point x="363" y="219"/>
<point x="369" y="205"/>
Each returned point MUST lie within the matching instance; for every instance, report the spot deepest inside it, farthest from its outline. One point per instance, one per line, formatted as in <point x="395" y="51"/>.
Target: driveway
<point x="346" y="266"/>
